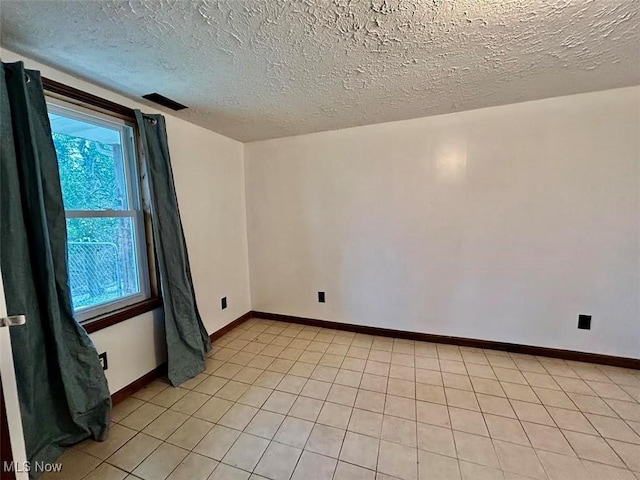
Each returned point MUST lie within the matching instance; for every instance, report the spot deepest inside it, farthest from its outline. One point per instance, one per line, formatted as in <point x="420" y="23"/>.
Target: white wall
<point x="134" y="348"/>
<point x="209" y="176"/>
<point x="502" y="223"/>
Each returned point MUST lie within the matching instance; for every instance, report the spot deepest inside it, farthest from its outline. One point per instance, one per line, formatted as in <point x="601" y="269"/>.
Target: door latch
<point x="13" y="320"/>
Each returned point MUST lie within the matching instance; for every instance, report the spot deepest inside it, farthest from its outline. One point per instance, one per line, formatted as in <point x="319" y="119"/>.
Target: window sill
<point x="104" y="321"/>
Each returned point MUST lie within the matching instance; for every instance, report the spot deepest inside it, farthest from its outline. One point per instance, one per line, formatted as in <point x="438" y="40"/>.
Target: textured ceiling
<point x="255" y="69"/>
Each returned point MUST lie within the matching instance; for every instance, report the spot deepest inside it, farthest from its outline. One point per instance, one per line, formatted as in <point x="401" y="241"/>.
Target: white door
<point x="10" y="392"/>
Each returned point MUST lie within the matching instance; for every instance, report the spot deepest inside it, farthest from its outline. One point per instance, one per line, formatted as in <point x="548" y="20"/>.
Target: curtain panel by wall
<point x="63" y="392"/>
<point x="187" y="338"/>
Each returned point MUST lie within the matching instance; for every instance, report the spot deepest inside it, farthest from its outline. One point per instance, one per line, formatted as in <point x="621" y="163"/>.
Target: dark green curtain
<point x="63" y="392"/>
<point x="187" y="339"/>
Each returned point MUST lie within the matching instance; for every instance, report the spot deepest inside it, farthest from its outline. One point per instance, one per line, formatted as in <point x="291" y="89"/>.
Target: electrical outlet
<point x="321" y="297"/>
<point x="223" y="303"/>
<point x="584" y="322"/>
<point x="103" y="360"/>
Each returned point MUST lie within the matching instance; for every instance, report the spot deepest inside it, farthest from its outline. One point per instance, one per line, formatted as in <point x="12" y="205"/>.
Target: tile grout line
<point x="388" y="377"/>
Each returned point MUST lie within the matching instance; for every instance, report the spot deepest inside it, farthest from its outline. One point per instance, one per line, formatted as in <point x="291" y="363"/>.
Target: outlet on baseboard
<point x="223" y="303"/>
<point x="321" y="297"/>
<point x="103" y="360"/>
<point x="584" y="322"/>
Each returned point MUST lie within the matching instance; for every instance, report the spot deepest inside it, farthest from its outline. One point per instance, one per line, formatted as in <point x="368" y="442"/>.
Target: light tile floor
<point x="283" y="401"/>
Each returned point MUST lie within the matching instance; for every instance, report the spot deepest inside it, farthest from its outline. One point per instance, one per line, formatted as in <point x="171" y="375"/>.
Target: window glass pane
<point x="91" y="163"/>
<point x="103" y="264"/>
<point x="96" y="160"/>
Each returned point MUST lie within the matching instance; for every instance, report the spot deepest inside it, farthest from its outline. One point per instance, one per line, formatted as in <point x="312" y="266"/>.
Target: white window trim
<point x="135" y="211"/>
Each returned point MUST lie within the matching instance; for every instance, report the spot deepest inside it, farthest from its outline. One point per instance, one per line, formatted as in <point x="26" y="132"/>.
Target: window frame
<point x="68" y="101"/>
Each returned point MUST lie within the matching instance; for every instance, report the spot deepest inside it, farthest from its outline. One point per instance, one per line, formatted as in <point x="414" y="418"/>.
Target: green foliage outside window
<point x="102" y="263"/>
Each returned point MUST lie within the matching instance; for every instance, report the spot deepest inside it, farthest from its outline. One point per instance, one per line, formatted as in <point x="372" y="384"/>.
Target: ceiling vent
<point x="164" y="101"/>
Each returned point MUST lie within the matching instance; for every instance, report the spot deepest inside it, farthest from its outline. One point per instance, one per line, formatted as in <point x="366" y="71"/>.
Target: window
<point x="107" y="249"/>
